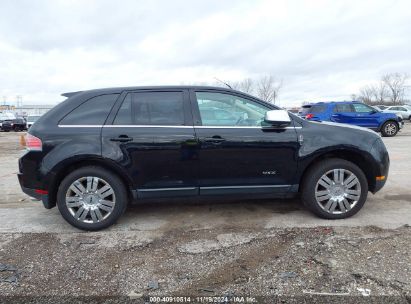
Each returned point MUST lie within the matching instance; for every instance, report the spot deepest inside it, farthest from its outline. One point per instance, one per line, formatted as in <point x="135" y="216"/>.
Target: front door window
<point x="218" y="109"/>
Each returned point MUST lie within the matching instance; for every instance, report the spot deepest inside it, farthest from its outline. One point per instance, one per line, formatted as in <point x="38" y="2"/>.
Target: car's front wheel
<point x="389" y="129"/>
<point x="334" y="189"/>
<point x="91" y="198"/>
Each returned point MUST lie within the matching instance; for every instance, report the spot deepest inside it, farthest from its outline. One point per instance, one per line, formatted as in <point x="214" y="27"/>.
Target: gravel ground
<point x="268" y="251"/>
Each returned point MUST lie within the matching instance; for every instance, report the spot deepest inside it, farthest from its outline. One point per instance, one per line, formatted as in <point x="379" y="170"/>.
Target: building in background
<point x="32" y="109"/>
<point x="6" y="107"/>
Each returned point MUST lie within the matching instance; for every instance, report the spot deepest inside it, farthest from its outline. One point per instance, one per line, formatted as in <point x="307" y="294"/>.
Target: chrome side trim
<point x="165" y="126"/>
<point x="167" y="189"/>
<point x="146" y="126"/>
<point x="241" y="127"/>
<point x="80" y="126"/>
<point x="245" y="187"/>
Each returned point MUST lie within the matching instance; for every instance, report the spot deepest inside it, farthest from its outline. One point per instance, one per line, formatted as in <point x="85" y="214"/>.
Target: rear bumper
<point x="32" y="193"/>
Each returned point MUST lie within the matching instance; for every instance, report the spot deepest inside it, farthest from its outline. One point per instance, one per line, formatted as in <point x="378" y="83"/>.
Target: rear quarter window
<point x="92" y="112"/>
<point x="343" y="108"/>
<point x="318" y="108"/>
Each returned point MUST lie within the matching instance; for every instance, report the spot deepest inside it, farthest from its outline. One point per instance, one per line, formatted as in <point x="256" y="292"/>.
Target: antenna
<point x="225" y="83"/>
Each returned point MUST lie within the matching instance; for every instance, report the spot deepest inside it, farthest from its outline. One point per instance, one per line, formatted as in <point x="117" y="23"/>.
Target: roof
<point x="328" y="102"/>
<point x="121" y="89"/>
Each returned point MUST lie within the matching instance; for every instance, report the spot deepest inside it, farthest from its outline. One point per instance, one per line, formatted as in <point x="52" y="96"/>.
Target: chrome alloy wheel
<point x="390" y="128"/>
<point x="90" y="199"/>
<point x="338" y="191"/>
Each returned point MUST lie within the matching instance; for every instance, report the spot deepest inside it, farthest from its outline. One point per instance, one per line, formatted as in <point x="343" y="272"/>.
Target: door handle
<point x="122" y="138"/>
<point x="216" y="139"/>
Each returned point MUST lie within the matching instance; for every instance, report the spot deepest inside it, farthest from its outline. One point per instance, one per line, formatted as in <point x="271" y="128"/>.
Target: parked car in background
<point x="304" y="110"/>
<point x="101" y="149"/>
<point x="380" y="107"/>
<point x="6" y="116"/>
<point x="404" y="111"/>
<point x="31" y="119"/>
<point x="18" y="124"/>
<point x="356" y="113"/>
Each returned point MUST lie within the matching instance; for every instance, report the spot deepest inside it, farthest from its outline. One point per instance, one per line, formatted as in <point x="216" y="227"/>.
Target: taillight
<point x="33" y="143"/>
<point x="309" y="116"/>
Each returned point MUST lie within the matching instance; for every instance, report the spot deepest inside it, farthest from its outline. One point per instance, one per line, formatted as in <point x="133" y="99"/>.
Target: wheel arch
<point x="62" y="170"/>
<point x="364" y="163"/>
<point x="388" y="120"/>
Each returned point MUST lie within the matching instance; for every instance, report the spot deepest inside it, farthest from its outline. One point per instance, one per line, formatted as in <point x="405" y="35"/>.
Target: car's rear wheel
<point x="389" y="129"/>
<point x="91" y="198"/>
<point x="334" y="189"/>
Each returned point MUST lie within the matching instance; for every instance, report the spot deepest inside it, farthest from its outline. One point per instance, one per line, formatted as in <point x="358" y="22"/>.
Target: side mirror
<point x="277" y="118"/>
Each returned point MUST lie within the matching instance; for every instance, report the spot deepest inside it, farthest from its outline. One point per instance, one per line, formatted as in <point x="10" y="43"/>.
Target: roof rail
<point x="69" y="94"/>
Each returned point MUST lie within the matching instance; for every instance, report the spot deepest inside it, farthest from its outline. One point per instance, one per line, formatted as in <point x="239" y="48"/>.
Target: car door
<point x="151" y="136"/>
<point x="366" y="116"/>
<point x="343" y="113"/>
<point x="238" y="155"/>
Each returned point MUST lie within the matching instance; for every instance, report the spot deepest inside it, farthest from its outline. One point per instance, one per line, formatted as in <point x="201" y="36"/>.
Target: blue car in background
<point x="354" y="113"/>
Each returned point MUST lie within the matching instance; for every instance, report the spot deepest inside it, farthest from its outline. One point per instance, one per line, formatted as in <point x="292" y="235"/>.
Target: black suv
<point x="18" y="124"/>
<point x="100" y="149"/>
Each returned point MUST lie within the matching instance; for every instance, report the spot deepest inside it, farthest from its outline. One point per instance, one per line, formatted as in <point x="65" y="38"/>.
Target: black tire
<point x="119" y="190"/>
<point x="313" y="176"/>
<point x="385" y="127"/>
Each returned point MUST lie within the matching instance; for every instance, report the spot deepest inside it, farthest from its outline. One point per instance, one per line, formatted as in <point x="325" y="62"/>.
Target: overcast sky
<point x="321" y="50"/>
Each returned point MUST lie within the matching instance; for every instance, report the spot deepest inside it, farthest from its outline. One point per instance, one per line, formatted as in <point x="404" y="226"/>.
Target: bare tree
<point x="380" y="93"/>
<point x="268" y="88"/>
<point x="366" y="94"/>
<point x="246" y="85"/>
<point x="395" y="83"/>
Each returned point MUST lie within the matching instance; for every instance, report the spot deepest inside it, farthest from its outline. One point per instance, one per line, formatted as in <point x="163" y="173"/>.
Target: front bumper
<point x="379" y="185"/>
<point x="382" y="164"/>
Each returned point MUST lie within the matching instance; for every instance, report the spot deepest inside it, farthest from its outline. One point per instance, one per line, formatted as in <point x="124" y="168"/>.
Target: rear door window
<point x="152" y="108"/>
<point x="343" y="108"/>
<point x="92" y="112"/>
